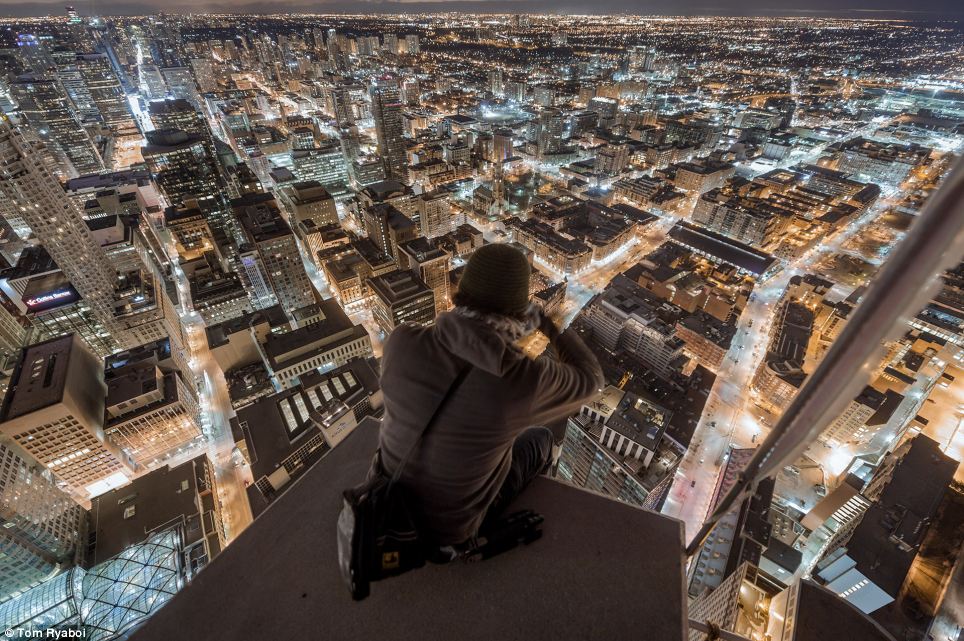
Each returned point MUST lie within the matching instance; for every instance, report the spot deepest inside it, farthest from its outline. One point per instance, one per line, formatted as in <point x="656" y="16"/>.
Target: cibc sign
<point x="51" y="299"/>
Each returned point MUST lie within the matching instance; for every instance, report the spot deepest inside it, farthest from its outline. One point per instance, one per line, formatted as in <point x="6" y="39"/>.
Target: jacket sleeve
<point x="567" y="382"/>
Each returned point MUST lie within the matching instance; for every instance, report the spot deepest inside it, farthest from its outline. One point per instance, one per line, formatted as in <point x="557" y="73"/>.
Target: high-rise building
<point x="388" y="227"/>
<point x="270" y="256"/>
<point x="325" y="165"/>
<point x="43" y="528"/>
<point x="204" y="74"/>
<point x="180" y="84"/>
<point x="390" y="43"/>
<point x="401" y="297"/>
<point x="104" y="89"/>
<point x="389" y="128"/>
<point x="151" y="413"/>
<point x="502" y="145"/>
<point x="54" y="409"/>
<point x="309" y="201"/>
<point x="432" y="264"/>
<point x="44" y="103"/>
<point x="496" y="85"/>
<point x="435" y="214"/>
<point x="552" y="127"/>
<point x="27" y="184"/>
<point x="185" y="170"/>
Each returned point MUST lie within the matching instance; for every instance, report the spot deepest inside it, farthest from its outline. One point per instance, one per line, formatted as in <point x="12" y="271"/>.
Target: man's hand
<point x="547" y="326"/>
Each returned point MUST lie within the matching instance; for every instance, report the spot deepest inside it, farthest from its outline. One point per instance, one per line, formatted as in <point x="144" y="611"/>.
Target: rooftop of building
<point x="219" y="334"/>
<point x="156" y="352"/>
<point x="386" y="190"/>
<point x="308" y="191"/>
<point x="911" y="498"/>
<point x="260" y="217"/>
<point x="333" y="324"/>
<point x="33" y="261"/>
<point x="579" y="577"/>
<point x="101" y="181"/>
<point x="126" y="515"/>
<point x="129" y="382"/>
<point x="421" y="250"/>
<point x="722" y="248"/>
<point x="40" y="376"/>
<point x="397" y="287"/>
<point x="169" y="106"/>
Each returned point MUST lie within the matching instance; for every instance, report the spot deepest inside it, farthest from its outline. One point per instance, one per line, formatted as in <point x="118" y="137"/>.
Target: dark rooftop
<point x="914" y="492"/>
<point x="831" y="617"/>
<point x="722" y="248"/>
<point x="165" y="495"/>
<point x="602" y="570"/>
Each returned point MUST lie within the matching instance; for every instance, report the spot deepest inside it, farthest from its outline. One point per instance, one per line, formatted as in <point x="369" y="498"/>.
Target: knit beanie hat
<point x="496" y="279"/>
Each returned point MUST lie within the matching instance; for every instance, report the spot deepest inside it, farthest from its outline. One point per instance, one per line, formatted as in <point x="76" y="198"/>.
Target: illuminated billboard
<point x="41" y="301"/>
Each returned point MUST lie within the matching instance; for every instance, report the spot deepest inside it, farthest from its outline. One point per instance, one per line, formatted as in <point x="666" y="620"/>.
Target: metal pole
<point x="901" y="288"/>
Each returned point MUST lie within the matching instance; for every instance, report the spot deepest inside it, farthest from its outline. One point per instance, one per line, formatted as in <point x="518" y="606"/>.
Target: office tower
<point x="387" y="112"/>
<point x="435" y="214"/>
<point x="180" y="84"/>
<point x="309" y="201"/>
<point x="496" y="82"/>
<point x="179" y="113"/>
<point x="27" y="184"/>
<point x="54" y="409"/>
<point x="152" y="82"/>
<point x="325" y="164"/>
<point x="270" y="259"/>
<point x="46" y="107"/>
<point x="104" y="89"/>
<point x="43" y="528"/>
<point x="185" y="170"/>
<point x="551" y="130"/>
<point x="150" y="412"/>
<point x="181" y="165"/>
<point x="204" y="74"/>
<point x="432" y="264"/>
<point x="401" y="297"/>
<point x="412" y="45"/>
<point x="387" y="227"/>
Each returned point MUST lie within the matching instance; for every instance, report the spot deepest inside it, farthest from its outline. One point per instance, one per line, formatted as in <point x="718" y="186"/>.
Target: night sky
<point x="920" y="9"/>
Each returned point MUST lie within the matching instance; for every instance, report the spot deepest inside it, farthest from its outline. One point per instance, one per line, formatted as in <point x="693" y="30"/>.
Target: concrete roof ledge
<point x="603" y="570"/>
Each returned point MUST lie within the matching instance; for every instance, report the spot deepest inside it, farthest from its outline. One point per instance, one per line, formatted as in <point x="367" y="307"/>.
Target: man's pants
<point x="531" y="456"/>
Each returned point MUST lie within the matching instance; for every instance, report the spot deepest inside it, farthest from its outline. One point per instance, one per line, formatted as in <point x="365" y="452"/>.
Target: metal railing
<point x="901" y="289"/>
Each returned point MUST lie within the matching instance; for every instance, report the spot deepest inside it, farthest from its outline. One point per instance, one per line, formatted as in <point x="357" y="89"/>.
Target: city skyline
<point x="741" y="236"/>
<point x="852" y="9"/>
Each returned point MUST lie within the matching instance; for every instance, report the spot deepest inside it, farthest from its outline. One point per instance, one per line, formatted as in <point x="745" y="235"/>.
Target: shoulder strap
<point x="456" y="383"/>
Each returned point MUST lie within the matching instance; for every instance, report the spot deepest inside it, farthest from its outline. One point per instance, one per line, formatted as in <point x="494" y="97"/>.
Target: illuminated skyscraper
<point x="387" y="112"/>
<point x="41" y="527"/>
<point x="44" y="103"/>
<point x="54" y="409"/>
<point x="28" y="186"/>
